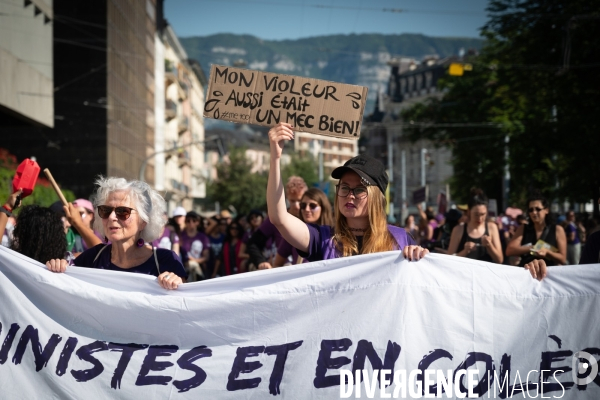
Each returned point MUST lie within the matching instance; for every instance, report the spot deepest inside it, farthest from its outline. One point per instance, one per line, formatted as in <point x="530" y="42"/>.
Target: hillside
<point x="356" y="59"/>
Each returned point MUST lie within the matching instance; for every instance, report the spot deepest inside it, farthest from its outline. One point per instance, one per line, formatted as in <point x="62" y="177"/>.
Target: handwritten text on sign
<point x="262" y="98"/>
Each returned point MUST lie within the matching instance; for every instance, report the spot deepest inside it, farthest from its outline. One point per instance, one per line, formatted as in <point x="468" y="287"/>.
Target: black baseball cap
<point x="371" y="171"/>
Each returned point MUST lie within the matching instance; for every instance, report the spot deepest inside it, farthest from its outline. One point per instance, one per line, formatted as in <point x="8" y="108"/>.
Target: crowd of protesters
<point x="126" y="228"/>
<point x="513" y="238"/>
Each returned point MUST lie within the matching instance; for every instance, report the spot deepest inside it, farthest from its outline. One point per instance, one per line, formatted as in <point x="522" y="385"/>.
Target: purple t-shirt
<point x="591" y="251"/>
<point x="571" y="227"/>
<point x="194" y="246"/>
<point x="166" y="240"/>
<point x="167" y="261"/>
<point x="286" y="250"/>
<point x="322" y="247"/>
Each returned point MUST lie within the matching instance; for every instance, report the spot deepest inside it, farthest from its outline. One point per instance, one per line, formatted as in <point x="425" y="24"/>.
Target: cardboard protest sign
<point x="263" y="98"/>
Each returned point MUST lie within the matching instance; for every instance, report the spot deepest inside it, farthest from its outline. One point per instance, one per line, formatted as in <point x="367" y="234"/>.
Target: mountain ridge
<point x="359" y="59"/>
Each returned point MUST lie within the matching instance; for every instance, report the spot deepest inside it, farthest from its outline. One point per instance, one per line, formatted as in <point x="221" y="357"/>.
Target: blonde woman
<point x="360" y="219"/>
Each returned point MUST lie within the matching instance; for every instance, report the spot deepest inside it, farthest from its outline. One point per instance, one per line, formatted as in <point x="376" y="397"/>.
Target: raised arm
<point x="291" y="228"/>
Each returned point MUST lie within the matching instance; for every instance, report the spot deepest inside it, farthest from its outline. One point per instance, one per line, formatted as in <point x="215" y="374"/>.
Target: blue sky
<point x="292" y="19"/>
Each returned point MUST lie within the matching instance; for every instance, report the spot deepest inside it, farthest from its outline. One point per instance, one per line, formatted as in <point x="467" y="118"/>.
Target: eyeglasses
<point x="532" y="209"/>
<point x="360" y="192"/>
<point x="312" y="206"/>
<point x="121" y="212"/>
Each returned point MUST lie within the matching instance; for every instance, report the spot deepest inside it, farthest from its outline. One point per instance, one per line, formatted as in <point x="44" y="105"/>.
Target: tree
<point x="303" y="166"/>
<point x="237" y="185"/>
<point x="537" y="78"/>
<point x="43" y="193"/>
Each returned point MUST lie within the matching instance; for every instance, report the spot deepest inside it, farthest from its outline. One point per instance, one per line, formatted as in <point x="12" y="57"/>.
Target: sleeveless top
<point x="480" y="252"/>
<point x="529" y="236"/>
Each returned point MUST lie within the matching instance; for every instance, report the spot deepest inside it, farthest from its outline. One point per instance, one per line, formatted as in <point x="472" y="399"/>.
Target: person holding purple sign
<point x="360" y="219"/>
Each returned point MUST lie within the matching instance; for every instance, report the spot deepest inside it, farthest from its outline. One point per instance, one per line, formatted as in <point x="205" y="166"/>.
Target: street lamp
<point x="180" y="147"/>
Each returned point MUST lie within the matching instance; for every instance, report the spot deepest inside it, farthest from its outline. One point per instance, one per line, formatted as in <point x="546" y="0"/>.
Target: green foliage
<point x="236" y="185"/>
<point x="43" y="194"/>
<point x="303" y="166"/>
<point x="537" y="80"/>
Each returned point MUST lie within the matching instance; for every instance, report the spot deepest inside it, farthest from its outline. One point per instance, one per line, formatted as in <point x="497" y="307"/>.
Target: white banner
<point x="291" y="332"/>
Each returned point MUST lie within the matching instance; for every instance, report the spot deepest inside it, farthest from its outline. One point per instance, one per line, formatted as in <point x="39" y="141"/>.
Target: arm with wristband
<point x="6" y="210"/>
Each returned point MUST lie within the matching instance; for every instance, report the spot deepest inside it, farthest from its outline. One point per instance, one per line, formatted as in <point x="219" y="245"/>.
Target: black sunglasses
<point x="121" y="212"/>
<point x="312" y="206"/>
<point x="532" y="209"/>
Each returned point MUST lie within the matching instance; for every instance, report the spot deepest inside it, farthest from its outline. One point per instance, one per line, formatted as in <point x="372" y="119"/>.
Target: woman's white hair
<point x="147" y="202"/>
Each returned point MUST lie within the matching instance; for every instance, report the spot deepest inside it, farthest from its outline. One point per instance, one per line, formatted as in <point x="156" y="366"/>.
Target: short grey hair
<point x="148" y="203"/>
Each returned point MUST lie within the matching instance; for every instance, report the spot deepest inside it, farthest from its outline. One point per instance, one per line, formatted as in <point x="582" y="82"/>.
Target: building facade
<point x="26" y="63"/>
<point x="411" y="165"/>
<point x="182" y="172"/>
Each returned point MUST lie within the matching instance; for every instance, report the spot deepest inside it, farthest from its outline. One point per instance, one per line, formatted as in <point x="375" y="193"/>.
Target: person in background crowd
<point x="573" y="239"/>
<point x="521" y="220"/>
<point x="451" y="219"/>
<point x="194" y="246"/>
<point x="8" y="231"/>
<point x="540" y="228"/>
<point x="315" y="208"/>
<point x="590" y="255"/>
<point x="74" y="242"/>
<point x="427" y="225"/>
<point x="360" y="221"/>
<point x="130" y="214"/>
<point x="216" y="239"/>
<point x="38" y="233"/>
<point x="213" y="223"/>
<point x="267" y="236"/>
<point x="178" y="218"/>
<point x="85" y="229"/>
<point x="477" y="239"/>
<point x="168" y="239"/>
<point x="229" y="262"/>
<point x="410" y="227"/>
<point x="463" y="208"/>
<point x="255" y="219"/>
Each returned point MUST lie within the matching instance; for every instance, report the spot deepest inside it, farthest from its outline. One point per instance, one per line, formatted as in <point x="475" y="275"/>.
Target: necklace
<point x="358" y="229"/>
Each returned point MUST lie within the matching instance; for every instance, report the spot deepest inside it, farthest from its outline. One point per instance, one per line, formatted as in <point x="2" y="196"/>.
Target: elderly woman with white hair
<point x="129" y="214"/>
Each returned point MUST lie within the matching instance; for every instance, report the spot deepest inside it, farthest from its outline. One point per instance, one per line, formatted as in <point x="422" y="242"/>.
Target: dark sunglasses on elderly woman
<point x="122" y="213"/>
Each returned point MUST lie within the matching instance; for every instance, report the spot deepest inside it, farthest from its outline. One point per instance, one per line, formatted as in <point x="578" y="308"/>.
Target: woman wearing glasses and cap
<point x="129" y="214"/>
<point x="360" y="220"/>
<point x="539" y="228"/>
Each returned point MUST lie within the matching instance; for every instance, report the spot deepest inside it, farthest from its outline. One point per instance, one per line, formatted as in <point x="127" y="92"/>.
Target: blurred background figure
<point x="478" y="238"/>
<point x="194" y="246"/>
<point x="541" y="228"/>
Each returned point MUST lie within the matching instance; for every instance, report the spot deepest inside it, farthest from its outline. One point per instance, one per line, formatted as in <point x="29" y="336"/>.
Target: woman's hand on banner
<point x="537" y="269"/>
<point x="414" y="253"/>
<point x="57" y="265"/>
<point x="169" y="280"/>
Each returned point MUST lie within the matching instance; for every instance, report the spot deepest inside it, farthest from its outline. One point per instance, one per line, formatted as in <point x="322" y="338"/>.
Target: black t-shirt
<point x="167" y="261"/>
<point x="591" y="251"/>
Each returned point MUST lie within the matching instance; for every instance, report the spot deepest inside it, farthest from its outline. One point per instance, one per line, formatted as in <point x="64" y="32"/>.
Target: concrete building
<point x="383" y="133"/>
<point x="26" y="64"/>
<point x="103" y="57"/>
<point x="181" y="174"/>
<point x="334" y="151"/>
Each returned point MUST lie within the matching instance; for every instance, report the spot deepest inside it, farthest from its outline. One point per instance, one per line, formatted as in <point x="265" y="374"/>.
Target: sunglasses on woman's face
<point x="532" y="209"/>
<point x="312" y="206"/>
<point x="121" y="212"/>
